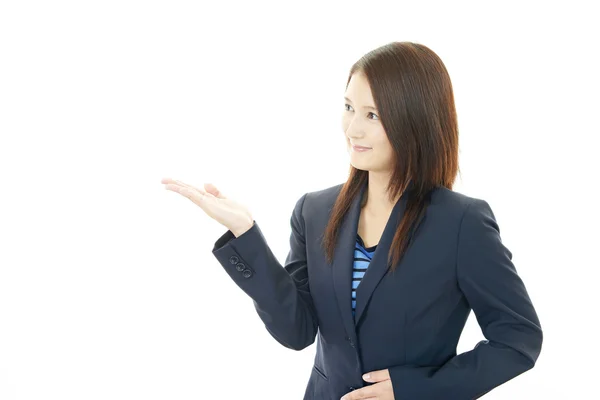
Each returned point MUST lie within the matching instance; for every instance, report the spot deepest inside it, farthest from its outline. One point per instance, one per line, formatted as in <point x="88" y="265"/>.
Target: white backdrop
<point x="108" y="288"/>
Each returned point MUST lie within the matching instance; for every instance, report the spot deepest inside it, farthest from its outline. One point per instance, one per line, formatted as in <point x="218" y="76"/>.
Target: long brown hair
<point x="412" y="90"/>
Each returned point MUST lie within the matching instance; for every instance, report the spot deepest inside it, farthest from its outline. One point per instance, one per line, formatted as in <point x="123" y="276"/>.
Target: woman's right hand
<point x="225" y="211"/>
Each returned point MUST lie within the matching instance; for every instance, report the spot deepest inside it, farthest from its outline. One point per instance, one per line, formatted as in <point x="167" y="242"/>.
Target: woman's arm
<point x="281" y="294"/>
<point x="508" y="320"/>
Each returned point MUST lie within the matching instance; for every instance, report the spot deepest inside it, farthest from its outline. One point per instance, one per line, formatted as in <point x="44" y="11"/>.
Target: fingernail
<point x="366" y="376"/>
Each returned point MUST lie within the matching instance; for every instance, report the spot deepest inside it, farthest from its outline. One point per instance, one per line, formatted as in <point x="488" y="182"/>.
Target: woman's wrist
<point x="237" y="232"/>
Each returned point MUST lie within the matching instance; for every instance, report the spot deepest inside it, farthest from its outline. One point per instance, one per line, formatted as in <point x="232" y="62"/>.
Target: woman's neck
<point x="376" y="200"/>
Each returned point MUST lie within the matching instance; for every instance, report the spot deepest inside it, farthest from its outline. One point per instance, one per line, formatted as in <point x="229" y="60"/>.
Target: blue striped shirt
<point x="362" y="258"/>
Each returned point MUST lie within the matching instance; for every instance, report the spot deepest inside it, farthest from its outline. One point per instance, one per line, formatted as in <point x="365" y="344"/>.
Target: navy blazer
<point x="408" y="321"/>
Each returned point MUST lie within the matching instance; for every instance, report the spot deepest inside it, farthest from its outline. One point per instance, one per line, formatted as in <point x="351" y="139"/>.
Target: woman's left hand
<point x="382" y="390"/>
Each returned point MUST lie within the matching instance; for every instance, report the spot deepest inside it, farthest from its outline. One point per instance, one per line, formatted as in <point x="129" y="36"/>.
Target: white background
<point x="108" y="288"/>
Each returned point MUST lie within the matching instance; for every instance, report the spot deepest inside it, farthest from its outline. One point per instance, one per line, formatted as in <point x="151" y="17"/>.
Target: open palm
<point x="215" y="204"/>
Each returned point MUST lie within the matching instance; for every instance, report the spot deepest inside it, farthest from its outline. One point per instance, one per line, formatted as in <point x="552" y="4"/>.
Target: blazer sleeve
<point x="281" y="294"/>
<point x="497" y="296"/>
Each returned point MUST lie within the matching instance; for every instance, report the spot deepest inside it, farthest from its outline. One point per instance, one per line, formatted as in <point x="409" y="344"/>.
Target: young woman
<point x="384" y="269"/>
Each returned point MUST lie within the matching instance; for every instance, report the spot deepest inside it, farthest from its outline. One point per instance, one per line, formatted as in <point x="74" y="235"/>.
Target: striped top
<point x="362" y="258"/>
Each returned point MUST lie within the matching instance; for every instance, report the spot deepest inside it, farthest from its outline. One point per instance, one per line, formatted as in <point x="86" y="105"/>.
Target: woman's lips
<point x="360" y="148"/>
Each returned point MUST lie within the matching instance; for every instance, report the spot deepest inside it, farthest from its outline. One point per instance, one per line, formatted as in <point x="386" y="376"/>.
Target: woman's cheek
<point x="344" y="124"/>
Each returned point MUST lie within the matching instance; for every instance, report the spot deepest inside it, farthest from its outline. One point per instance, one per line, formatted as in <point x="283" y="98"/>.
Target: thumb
<point x="212" y="189"/>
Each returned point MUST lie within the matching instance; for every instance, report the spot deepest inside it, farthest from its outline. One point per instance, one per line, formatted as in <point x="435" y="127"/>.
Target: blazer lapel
<point x="378" y="265"/>
<point x="344" y="260"/>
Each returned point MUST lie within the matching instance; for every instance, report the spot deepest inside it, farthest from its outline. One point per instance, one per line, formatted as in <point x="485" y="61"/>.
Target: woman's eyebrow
<point x="350" y="101"/>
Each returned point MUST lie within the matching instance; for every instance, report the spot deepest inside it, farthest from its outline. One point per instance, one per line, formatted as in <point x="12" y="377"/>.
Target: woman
<point x="384" y="269"/>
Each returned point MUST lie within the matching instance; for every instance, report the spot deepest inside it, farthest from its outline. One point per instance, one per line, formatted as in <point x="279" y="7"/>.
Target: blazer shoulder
<point x="328" y="191"/>
<point x="314" y="202"/>
<point x="324" y="196"/>
<point x="456" y="203"/>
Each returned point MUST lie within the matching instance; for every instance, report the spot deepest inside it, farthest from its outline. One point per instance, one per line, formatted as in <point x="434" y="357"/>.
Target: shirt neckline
<point x="362" y="243"/>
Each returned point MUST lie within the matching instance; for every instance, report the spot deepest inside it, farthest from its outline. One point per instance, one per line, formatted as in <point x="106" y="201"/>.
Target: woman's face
<point x="362" y="126"/>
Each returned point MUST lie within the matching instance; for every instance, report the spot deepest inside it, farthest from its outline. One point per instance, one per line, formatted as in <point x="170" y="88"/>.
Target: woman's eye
<point x="348" y="105"/>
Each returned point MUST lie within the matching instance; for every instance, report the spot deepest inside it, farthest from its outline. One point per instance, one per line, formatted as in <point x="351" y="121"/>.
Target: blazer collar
<point x="344" y="259"/>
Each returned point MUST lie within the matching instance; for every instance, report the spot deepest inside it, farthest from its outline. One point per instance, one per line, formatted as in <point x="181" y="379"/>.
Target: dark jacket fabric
<point x="408" y="321"/>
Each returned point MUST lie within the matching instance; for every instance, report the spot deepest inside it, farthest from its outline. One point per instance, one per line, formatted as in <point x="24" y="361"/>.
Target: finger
<point x="364" y="393"/>
<point x="177" y="188"/>
<point x="190" y="193"/>
<point x="187" y="185"/>
<point x="183" y="184"/>
<point x="212" y="189"/>
<point x="173" y="181"/>
<point x="377" y="376"/>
